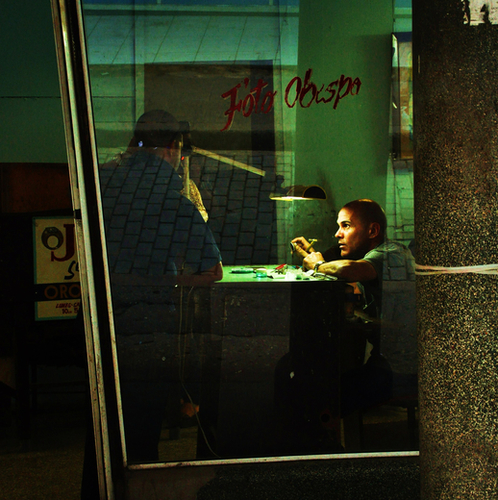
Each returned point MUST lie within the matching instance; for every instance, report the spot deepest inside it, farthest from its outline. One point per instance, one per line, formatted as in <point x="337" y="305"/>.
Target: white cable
<point x="484" y="269"/>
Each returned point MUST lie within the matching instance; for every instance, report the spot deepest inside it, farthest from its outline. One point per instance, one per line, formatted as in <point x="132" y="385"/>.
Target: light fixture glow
<point x="293" y="193"/>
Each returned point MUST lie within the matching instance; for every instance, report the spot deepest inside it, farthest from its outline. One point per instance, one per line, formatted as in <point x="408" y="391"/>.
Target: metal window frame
<point x="68" y="25"/>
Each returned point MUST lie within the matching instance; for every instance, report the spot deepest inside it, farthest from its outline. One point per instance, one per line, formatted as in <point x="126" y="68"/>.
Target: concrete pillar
<point x="456" y="215"/>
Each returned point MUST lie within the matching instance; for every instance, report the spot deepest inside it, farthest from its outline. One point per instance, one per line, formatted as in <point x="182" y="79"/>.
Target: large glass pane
<point x="233" y="340"/>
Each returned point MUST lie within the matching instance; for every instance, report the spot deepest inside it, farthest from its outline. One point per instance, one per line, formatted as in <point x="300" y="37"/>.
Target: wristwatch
<point x="317" y="265"/>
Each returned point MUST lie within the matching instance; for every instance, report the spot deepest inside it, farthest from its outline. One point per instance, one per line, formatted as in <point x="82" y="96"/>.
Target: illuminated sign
<point x="56" y="272"/>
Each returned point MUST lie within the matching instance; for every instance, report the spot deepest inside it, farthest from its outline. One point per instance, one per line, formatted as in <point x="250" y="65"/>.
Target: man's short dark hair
<point x="157" y="128"/>
<point x="369" y="211"/>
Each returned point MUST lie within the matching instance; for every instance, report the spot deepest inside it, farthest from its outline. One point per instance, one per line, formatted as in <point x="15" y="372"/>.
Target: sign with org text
<point x="56" y="270"/>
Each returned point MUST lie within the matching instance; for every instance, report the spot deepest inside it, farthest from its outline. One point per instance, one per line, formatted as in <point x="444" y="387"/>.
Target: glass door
<point x="216" y="147"/>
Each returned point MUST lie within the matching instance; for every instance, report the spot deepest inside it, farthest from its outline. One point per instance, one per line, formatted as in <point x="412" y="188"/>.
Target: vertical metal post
<point x="82" y="159"/>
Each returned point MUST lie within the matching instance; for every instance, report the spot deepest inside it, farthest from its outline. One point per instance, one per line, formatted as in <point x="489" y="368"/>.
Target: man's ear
<point x="374" y="230"/>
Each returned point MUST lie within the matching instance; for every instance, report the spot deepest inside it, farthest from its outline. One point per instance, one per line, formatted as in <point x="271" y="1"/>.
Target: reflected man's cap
<point x="157" y="128"/>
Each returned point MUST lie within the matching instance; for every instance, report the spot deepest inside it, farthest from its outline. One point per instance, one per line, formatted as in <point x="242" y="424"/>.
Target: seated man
<point x="366" y="258"/>
<point x="366" y="255"/>
<point x="370" y="260"/>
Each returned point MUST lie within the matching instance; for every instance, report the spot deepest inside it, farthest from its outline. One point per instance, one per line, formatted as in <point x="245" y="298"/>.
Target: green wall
<point x="30" y="106"/>
<point x="345" y="150"/>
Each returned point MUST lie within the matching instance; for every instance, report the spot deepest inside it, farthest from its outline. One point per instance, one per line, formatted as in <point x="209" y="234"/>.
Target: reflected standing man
<point x="190" y="189"/>
<point x="157" y="239"/>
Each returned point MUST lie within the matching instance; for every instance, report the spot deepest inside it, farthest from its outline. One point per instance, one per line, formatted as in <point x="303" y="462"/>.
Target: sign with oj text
<point x="56" y="272"/>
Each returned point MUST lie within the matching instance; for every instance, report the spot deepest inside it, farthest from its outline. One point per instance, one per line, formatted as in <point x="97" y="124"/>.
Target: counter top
<point x="267" y="274"/>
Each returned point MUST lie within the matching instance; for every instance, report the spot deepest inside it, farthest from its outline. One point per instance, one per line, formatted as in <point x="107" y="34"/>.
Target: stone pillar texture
<point x="455" y="51"/>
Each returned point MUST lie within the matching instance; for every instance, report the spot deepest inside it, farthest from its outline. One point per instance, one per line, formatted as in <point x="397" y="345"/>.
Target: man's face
<point x="353" y="235"/>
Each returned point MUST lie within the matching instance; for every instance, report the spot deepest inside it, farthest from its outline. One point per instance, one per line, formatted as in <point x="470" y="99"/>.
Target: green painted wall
<point x="31" y="127"/>
<point x="345" y="150"/>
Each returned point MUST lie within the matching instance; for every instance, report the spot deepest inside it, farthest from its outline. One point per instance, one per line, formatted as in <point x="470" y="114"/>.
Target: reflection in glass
<point x="205" y="370"/>
<point x="157" y="238"/>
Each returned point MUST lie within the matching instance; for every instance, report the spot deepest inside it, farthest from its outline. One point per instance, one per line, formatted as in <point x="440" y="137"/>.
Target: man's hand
<point x="311" y="259"/>
<point x="302" y="246"/>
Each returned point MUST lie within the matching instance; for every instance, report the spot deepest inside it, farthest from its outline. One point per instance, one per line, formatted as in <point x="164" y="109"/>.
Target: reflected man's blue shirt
<point x="151" y="228"/>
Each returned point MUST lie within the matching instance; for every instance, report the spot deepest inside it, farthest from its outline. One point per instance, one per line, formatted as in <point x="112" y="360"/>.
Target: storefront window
<point x="206" y="116"/>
